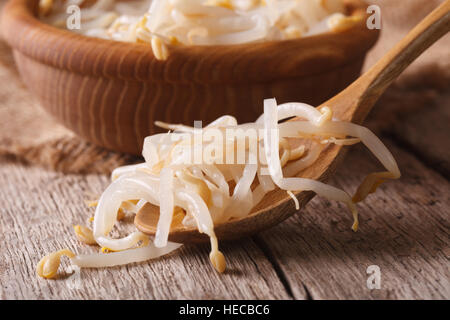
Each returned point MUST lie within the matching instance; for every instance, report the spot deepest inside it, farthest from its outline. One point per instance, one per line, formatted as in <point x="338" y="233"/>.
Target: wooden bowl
<point x="110" y="93"/>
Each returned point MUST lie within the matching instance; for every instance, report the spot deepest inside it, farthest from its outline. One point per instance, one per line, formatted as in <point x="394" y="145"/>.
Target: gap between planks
<point x="342" y="275"/>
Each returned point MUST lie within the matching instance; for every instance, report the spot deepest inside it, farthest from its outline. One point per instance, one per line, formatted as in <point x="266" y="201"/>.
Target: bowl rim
<point x="96" y="57"/>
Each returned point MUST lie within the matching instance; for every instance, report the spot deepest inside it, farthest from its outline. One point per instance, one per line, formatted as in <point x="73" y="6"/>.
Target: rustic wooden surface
<point x="403" y="230"/>
<point x="314" y="255"/>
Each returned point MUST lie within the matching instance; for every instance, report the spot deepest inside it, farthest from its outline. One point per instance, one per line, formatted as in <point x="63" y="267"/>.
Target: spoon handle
<point x="355" y="102"/>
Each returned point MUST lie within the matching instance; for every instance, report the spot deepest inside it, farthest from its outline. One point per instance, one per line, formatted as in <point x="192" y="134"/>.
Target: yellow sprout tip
<point x="355" y="226"/>
<point x="218" y="261"/>
<point x="106" y="250"/>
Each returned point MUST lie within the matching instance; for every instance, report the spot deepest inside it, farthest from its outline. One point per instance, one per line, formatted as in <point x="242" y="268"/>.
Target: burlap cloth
<point x="28" y="134"/>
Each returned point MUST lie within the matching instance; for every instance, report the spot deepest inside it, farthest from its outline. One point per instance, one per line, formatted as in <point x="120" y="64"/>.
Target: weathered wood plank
<point x="404" y="229"/>
<point x="37" y="213"/>
<point x="417" y="117"/>
<point x="427" y="134"/>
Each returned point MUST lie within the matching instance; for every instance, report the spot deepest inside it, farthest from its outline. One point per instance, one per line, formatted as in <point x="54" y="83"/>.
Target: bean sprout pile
<point x="160" y="23"/>
<point x="191" y="174"/>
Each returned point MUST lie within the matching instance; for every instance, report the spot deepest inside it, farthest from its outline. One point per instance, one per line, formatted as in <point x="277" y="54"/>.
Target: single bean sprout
<point x="202" y="177"/>
<point x="160" y="23"/>
<point x="84" y="234"/>
<point x="48" y="266"/>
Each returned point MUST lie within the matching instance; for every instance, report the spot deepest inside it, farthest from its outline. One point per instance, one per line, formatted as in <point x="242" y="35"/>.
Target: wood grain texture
<point x="404" y="229"/>
<point x="426" y="134"/>
<point x="110" y="93"/>
<point x="37" y="214"/>
<point x="411" y="257"/>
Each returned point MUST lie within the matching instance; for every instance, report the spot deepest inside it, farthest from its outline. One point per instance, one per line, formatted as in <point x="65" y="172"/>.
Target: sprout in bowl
<point x="200" y="22"/>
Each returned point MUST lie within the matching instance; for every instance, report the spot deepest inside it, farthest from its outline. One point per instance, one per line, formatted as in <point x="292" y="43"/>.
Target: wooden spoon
<point x="353" y="104"/>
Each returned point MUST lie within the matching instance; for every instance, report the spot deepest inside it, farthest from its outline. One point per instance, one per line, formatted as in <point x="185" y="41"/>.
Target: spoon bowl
<point x="275" y="207"/>
<point x="353" y="104"/>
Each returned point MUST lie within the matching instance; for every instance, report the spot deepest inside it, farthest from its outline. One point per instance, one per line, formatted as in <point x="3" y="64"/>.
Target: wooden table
<point x="404" y="230"/>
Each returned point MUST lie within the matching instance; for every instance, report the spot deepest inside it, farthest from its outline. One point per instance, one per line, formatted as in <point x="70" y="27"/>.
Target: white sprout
<point x="161" y="23"/>
<point x="205" y="195"/>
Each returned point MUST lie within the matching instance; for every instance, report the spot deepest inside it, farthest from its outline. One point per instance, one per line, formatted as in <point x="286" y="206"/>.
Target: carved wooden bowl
<point x="110" y="93"/>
